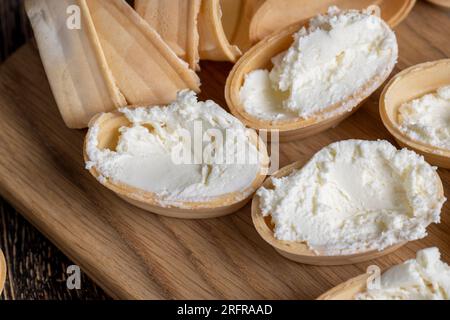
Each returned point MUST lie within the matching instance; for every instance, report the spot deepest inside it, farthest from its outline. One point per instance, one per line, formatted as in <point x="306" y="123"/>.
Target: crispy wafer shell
<point x="144" y="66"/>
<point x="76" y="68"/>
<point x="277" y="14"/>
<point x="214" y="44"/>
<point x="176" y="22"/>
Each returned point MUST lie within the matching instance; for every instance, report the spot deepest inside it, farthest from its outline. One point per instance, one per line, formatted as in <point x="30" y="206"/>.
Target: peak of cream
<point x="338" y="55"/>
<point x="354" y="196"/>
<point x="423" y="278"/>
<point x="144" y="155"/>
<point x="427" y="119"/>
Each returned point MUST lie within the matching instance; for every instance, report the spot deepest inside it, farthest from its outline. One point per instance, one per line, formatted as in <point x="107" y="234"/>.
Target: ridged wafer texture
<point x="260" y="57"/>
<point x="145" y="68"/>
<point x="76" y="68"/>
<point x="176" y="22"/>
<point x="443" y="3"/>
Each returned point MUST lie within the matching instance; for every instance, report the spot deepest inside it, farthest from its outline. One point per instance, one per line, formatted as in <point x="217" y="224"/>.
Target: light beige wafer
<point x="145" y="68"/>
<point x="73" y="60"/>
<point x="176" y="22"/>
<point x="214" y="44"/>
<point x="236" y="18"/>
<point x="276" y="15"/>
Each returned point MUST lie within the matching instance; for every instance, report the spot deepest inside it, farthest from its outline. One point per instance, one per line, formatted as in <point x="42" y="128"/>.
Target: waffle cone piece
<point x="214" y="44"/>
<point x="73" y="60"/>
<point x="236" y="18"/>
<point x="176" y="22"/>
<point x="145" y="68"/>
<point x="275" y="15"/>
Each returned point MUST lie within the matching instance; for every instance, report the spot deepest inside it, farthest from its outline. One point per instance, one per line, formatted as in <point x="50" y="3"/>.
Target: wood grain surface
<point x="134" y="254"/>
<point x="36" y="268"/>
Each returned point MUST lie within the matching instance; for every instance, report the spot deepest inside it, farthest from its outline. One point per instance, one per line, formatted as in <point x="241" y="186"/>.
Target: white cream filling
<point x="427" y="119"/>
<point x="353" y="196"/>
<point x="144" y="158"/>
<point x="423" y="278"/>
<point x="337" y="56"/>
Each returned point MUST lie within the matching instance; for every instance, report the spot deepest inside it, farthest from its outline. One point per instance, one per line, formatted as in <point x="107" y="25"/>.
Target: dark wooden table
<point x="36" y="268"/>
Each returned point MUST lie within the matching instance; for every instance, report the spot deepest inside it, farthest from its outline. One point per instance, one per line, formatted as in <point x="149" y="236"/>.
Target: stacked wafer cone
<point x="176" y="22"/>
<point x="205" y="29"/>
<point x="101" y="54"/>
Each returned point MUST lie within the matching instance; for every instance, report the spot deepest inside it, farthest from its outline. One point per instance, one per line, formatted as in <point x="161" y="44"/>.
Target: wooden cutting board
<point x="135" y="254"/>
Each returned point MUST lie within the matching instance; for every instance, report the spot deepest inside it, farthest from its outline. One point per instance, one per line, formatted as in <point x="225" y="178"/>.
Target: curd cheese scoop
<point x="275" y="15"/>
<point x="316" y="213"/>
<point x="146" y="70"/>
<point x="426" y="277"/>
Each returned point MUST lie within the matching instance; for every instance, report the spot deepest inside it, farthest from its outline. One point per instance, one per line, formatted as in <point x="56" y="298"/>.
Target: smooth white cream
<point x="144" y="156"/>
<point x="427" y="119"/>
<point x="423" y="278"/>
<point x="338" y="55"/>
<point x="353" y="196"/>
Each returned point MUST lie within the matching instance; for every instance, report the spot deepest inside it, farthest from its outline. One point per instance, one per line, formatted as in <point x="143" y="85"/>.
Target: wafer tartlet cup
<point x="275" y="15"/>
<point x="408" y="85"/>
<point x="259" y="57"/>
<point x="299" y="251"/>
<point x="108" y="135"/>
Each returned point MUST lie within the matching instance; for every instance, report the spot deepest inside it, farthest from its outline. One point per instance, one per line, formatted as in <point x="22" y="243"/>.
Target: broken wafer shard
<point x="214" y="44"/>
<point x="73" y="60"/>
<point x="236" y="19"/>
<point x="176" y="22"/>
<point x="145" y="68"/>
